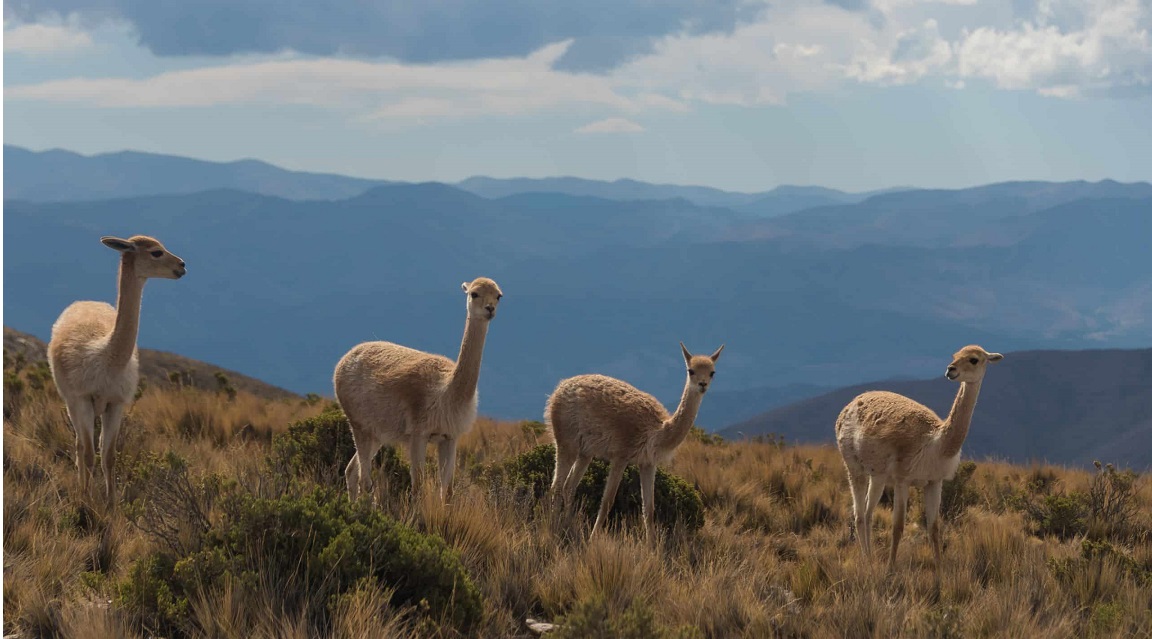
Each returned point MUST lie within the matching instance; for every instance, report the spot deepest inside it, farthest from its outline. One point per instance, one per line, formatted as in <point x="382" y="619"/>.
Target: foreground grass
<point x="1028" y="551"/>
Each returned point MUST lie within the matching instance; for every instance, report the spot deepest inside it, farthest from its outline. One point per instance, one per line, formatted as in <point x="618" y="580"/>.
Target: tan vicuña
<point x="890" y="440"/>
<point x="393" y="394"/>
<point x="92" y="354"/>
<point x="599" y="416"/>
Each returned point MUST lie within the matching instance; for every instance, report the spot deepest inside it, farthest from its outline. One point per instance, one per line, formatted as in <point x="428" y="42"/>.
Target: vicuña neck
<point x="462" y="386"/>
<point x="122" y="343"/>
<point x="955" y="428"/>
<point x="682" y="420"/>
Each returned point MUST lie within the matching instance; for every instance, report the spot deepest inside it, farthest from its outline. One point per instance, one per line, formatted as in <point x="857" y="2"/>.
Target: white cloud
<point x="1109" y="48"/>
<point x="1058" y="48"/>
<point x="611" y="125"/>
<point x="44" y="38"/>
<point x="373" y="90"/>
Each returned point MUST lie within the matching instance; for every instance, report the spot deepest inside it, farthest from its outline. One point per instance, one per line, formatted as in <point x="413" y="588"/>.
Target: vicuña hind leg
<point x="572" y="482"/>
<point x="875" y="491"/>
<point x="615" y="474"/>
<point x="859" y="483"/>
<point x="565" y="458"/>
<point x="358" y="473"/>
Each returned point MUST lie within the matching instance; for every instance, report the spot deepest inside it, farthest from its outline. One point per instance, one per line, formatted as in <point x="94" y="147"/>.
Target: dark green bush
<point x="1112" y="504"/>
<point x="958" y="493"/>
<point x="593" y="617"/>
<point x="1064" y="515"/>
<point x="309" y="548"/>
<point x="676" y="500"/>
<point x="318" y="449"/>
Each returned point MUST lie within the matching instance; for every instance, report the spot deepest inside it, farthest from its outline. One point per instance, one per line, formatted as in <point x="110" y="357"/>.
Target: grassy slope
<point x="775" y="557"/>
<point x="156" y="367"/>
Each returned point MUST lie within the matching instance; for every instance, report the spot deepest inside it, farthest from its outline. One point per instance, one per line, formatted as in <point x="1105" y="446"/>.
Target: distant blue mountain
<point x="61" y="176"/>
<point x="280" y="289"/>
<point x="1062" y="407"/>
<point x="778" y="201"/>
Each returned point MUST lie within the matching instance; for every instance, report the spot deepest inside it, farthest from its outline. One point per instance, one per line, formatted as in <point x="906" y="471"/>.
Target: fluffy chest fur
<point x="79" y="358"/>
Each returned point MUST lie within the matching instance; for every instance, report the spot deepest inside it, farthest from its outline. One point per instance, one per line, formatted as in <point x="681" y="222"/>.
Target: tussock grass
<point x="776" y="555"/>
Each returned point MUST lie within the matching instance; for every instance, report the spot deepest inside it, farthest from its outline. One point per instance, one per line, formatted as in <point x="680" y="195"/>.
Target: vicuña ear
<point x="687" y="355"/>
<point x="464" y="286"/>
<point x="715" y="356"/>
<point x="124" y="246"/>
<point x="995" y="357"/>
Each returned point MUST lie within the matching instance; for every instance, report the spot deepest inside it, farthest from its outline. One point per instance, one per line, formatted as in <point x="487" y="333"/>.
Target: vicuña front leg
<point x="416" y="449"/>
<point x="932" y="498"/>
<point x="447" y="461"/>
<point x="648" y="494"/>
<point x="82" y="414"/>
<point x="109" y="431"/>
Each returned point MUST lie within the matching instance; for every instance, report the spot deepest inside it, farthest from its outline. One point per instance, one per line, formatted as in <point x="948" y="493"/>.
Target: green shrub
<point x="310" y="548"/>
<point x="318" y="449"/>
<point x="1112" y="505"/>
<point x="958" y="493"/>
<point x="1064" y="515"/>
<point x="593" y="617"/>
<point x="676" y="500"/>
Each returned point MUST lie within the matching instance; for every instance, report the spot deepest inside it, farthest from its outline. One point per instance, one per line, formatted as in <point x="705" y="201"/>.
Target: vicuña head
<point x="970" y="363"/>
<point x="701" y="368"/>
<point x="890" y="440"/>
<point x="148" y="256"/>
<point x="483" y="298"/>
<point x="93" y="357"/>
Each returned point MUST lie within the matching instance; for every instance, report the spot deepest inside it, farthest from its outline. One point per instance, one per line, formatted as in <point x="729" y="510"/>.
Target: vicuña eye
<point x="499" y="297"/>
<point x="712" y="374"/>
<point x="973" y="360"/>
<point x="157" y="253"/>
<point x="691" y="372"/>
<point x="475" y="295"/>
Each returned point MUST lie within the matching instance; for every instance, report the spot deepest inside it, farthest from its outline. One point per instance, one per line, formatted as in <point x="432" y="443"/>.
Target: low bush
<point x="960" y="492"/>
<point x="677" y="502"/>
<point x="318" y="450"/>
<point x="309" y="548"/>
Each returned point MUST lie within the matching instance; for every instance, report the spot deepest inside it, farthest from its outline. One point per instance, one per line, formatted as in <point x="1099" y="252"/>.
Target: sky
<point x="736" y="94"/>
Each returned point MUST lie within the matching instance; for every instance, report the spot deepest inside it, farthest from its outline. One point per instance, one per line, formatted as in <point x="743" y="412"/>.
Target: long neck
<point x="682" y="420"/>
<point x="462" y="385"/>
<point x="955" y="427"/>
<point x="122" y="343"/>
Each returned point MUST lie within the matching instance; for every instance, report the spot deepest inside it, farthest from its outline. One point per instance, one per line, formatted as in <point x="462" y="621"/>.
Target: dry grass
<point x="776" y="556"/>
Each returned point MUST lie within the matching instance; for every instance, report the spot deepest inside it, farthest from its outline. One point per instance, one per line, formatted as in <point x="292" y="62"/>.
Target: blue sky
<point x="741" y="95"/>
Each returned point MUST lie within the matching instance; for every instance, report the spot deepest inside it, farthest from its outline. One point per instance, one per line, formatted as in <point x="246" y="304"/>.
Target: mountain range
<point x="1064" y="407"/>
<point x="807" y="301"/>
<point x="57" y="175"/>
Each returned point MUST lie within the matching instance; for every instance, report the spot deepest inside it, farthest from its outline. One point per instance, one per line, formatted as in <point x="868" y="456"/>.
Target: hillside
<point x="59" y="176"/>
<point x="233" y="520"/>
<point x="1061" y="407"/>
<point x="156" y="368"/>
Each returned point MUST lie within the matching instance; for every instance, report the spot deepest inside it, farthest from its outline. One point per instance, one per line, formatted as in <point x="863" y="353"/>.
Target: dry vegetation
<point x="1038" y="551"/>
